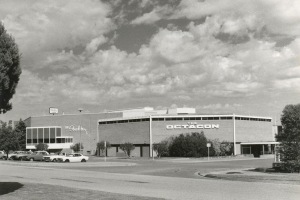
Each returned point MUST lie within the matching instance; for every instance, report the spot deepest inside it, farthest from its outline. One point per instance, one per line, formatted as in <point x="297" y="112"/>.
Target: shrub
<point x="76" y="147"/>
<point x="41" y="147"/>
<point x="161" y="148"/>
<point x="189" y="145"/>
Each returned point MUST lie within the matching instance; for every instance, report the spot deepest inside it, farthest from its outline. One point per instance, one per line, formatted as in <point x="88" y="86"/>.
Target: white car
<point x="74" y="157"/>
<point x="54" y="157"/>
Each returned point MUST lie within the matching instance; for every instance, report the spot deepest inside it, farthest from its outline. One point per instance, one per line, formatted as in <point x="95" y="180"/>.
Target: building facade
<point x="143" y="127"/>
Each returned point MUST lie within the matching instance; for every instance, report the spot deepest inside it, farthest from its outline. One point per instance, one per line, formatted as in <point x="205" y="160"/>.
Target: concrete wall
<point x="224" y="132"/>
<point x="70" y="126"/>
<point x="254" y="131"/>
<point x="133" y="132"/>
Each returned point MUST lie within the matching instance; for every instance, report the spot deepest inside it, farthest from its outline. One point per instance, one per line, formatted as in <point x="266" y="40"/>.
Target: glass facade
<point x="47" y="135"/>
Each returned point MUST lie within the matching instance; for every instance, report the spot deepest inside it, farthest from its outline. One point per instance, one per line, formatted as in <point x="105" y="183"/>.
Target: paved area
<point x="139" y="182"/>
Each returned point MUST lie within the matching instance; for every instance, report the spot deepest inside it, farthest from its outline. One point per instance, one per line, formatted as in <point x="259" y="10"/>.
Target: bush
<point x="127" y="148"/>
<point x="189" y="145"/>
<point x="76" y="147"/>
<point x="161" y="148"/>
<point x="41" y="147"/>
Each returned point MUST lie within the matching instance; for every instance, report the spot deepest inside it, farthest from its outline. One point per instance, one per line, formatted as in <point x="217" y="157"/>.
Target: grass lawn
<point x="17" y="191"/>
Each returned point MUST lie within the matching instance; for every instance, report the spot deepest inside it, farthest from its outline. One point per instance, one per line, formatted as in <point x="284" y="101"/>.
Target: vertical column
<point x="150" y="132"/>
<point x="234" y="139"/>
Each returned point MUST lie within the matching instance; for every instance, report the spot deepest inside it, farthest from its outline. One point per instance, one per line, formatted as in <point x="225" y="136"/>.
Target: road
<point x="146" y="185"/>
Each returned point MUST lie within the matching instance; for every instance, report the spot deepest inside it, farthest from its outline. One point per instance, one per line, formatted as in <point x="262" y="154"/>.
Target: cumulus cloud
<point x="232" y="53"/>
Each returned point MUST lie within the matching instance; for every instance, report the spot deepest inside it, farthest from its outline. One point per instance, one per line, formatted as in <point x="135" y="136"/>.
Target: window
<point x="29" y="136"/>
<point x="58" y="132"/>
<point x="198" y="118"/>
<point x="34" y="136"/>
<point x="46" y="135"/>
<point x="52" y="135"/>
<point x="40" y="135"/>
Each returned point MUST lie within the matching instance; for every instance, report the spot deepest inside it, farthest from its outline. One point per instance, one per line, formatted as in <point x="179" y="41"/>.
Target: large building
<point x="143" y="127"/>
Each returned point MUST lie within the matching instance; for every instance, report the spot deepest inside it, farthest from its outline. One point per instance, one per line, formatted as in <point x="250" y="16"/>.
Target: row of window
<point x="50" y="141"/>
<point x="186" y="119"/>
<point x="48" y="135"/>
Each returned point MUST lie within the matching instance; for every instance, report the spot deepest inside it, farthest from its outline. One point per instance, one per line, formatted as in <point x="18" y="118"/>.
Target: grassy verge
<point x="50" y="192"/>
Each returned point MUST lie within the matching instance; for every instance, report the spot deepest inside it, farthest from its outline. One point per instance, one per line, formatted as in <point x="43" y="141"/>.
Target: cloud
<point x="45" y="27"/>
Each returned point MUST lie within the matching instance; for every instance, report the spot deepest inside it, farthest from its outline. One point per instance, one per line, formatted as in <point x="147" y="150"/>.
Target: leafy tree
<point x="215" y="149"/>
<point x="189" y="145"/>
<point x="20" y="130"/>
<point x="101" y="146"/>
<point x="226" y="148"/>
<point x="127" y="147"/>
<point x="76" y="147"/>
<point x="161" y="148"/>
<point x="290" y="138"/>
<point x="41" y="147"/>
<point x="10" y="70"/>
<point x="8" y="139"/>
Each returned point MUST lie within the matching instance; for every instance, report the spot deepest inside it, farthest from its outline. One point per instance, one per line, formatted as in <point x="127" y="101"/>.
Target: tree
<point x="41" y="147"/>
<point x="10" y="70"/>
<point x="127" y="147"/>
<point x="76" y="147"/>
<point x="226" y="148"/>
<point x="189" y="145"/>
<point x="101" y="146"/>
<point x="290" y="138"/>
<point x="161" y="148"/>
<point x="20" y="130"/>
<point x="8" y="139"/>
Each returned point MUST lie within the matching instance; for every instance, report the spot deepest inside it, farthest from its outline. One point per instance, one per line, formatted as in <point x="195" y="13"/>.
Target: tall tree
<point x="127" y="147"/>
<point x="20" y="130"/>
<point x="10" y="70"/>
<point x="290" y="138"/>
<point x="8" y="139"/>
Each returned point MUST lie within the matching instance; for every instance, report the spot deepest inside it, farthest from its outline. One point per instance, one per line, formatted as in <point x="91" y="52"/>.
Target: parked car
<point x="74" y="157"/>
<point x="54" y="157"/>
<point x="12" y="155"/>
<point x="3" y="155"/>
<point x="20" y="155"/>
<point x="37" y="155"/>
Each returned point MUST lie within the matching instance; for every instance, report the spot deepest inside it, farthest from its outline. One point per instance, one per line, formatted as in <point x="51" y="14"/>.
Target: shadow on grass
<point x="8" y="187"/>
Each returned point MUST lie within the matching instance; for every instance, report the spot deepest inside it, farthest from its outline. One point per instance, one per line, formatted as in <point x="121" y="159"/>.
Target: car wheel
<point x="83" y="160"/>
<point x="31" y="159"/>
<point x="54" y="160"/>
<point x="67" y="160"/>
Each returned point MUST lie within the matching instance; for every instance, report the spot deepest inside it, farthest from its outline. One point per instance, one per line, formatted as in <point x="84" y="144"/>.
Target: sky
<point x="218" y="56"/>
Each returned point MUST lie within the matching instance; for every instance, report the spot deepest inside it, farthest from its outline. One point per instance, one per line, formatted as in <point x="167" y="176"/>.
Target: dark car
<point x="37" y="156"/>
<point x="21" y="156"/>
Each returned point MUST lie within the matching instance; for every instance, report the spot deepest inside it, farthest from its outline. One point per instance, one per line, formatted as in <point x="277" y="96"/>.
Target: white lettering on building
<point x="193" y="125"/>
<point x="74" y="128"/>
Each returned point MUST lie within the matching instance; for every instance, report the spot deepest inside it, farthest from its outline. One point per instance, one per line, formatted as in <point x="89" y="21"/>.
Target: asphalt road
<point x="147" y="185"/>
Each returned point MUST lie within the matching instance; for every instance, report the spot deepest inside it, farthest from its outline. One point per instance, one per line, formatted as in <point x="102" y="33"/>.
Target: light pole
<point x="80" y="109"/>
<point x="208" y="145"/>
